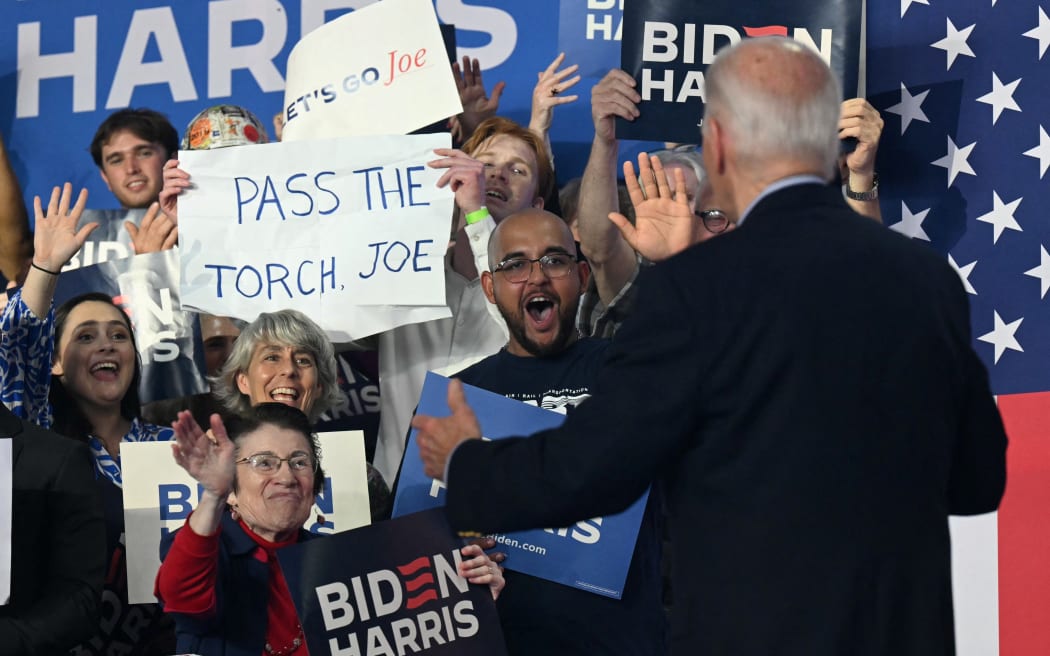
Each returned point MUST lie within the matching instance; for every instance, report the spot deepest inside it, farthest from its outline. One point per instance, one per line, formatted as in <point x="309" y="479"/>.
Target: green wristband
<point x="479" y="214"/>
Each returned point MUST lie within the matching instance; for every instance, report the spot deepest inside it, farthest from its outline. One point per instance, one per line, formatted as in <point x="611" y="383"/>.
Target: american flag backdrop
<point x="964" y="88"/>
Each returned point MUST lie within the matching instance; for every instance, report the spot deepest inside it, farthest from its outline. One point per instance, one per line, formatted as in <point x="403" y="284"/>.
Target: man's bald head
<point x="532" y="220"/>
<point x="777" y="101"/>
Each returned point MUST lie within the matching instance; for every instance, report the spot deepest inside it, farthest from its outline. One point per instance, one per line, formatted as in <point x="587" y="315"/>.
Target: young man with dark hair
<point x="130" y="149"/>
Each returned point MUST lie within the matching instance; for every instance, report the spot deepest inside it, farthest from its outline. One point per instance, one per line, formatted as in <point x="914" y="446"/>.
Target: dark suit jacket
<point x="805" y="389"/>
<point x="58" y="543"/>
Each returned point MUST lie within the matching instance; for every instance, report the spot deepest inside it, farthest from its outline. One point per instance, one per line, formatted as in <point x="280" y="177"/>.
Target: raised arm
<point x="56" y="239"/>
<point x="611" y="257"/>
<point x="548" y="93"/>
<point x="478" y="105"/>
<point x="861" y="121"/>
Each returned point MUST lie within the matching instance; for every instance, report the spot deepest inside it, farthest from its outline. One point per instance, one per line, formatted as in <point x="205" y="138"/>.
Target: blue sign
<point x="591" y="555"/>
<point x="668" y="44"/>
<point x="391" y="588"/>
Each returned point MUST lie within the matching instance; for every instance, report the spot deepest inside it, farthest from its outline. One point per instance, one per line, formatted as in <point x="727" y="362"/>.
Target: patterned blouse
<point x="27" y="345"/>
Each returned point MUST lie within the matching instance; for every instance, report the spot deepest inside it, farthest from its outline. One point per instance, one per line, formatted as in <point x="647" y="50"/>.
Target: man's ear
<point x="487" y="286"/>
<point x="716" y="140"/>
<point x="583" y="270"/>
<point x="105" y="179"/>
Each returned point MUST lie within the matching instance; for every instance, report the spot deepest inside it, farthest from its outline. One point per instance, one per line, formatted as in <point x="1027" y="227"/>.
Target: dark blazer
<point x="58" y="543"/>
<point x="805" y="389"/>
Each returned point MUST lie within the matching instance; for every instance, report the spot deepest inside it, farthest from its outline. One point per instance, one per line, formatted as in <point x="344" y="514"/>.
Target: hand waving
<point x="56" y="237"/>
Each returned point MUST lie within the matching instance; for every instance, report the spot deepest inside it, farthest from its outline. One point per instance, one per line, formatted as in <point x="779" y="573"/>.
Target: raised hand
<point x="56" y="237"/>
<point x="863" y="122"/>
<point x="207" y="456"/>
<point x="549" y="93"/>
<point x="664" y="221"/>
<point x="478" y="105"/>
<point x="156" y="233"/>
<point x="613" y="96"/>
<point x="465" y="176"/>
<point x="175" y="182"/>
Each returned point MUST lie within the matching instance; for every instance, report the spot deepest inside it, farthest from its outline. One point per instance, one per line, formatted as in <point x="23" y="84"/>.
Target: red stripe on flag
<point x="1024" y="528"/>
<point x="770" y="30"/>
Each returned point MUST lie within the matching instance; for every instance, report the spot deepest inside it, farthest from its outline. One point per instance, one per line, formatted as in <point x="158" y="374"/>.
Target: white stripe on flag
<point x="975" y="584"/>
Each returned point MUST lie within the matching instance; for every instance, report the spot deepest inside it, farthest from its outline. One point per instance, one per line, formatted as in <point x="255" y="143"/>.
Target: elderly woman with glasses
<point x="220" y="577"/>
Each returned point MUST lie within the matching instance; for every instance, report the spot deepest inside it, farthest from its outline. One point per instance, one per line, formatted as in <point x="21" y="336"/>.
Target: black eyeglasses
<point x="269" y="463"/>
<point x="715" y="221"/>
<point x="518" y="269"/>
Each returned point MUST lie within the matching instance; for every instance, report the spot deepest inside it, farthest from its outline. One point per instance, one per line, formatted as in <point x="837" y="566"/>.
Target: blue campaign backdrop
<point x="67" y="64"/>
<point x="592" y="555"/>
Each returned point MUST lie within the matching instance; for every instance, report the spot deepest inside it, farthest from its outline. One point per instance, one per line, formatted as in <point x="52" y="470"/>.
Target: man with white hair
<point x="804" y="388"/>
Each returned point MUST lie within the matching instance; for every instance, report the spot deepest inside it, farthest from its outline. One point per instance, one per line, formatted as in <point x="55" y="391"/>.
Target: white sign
<point x="6" y="490"/>
<point x="323" y="227"/>
<point x="381" y="69"/>
<point x="159" y="495"/>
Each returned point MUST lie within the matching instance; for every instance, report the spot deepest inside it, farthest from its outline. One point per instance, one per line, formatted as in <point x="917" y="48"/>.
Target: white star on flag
<point x="964" y="273"/>
<point x="910" y="224"/>
<point x="908" y="3"/>
<point x="1001" y="216"/>
<point x="956" y="160"/>
<point x="1041" y="32"/>
<point x="954" y="42"/>
<point x="1041" y="152"/>
<point x="1002" y="336"/>
<point x="1042" y="272"/>
<point x="1001" y="97"/>
<point x="909" y="108"/>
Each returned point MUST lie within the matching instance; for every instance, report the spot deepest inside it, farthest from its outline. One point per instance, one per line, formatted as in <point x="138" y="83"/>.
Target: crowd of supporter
<point x="74" y="369"/>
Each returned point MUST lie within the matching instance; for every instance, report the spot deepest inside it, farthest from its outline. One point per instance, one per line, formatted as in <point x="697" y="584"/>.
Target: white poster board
<point x="159" y="495"/>
<point x="6" y="490"/>
<point x="381" y="69"/>
<point x="331" y="228"/>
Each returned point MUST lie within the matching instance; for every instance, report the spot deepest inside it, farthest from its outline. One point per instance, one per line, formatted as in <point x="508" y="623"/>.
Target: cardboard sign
<point x="159" y="495"/>
<point x="592" y="555"/>
<point x="668" y="44"/>
<point x="167" y="336"/>
<point x="391" y="588"/>
<point x="379" y="70"/>
<point x="323" y="227"/>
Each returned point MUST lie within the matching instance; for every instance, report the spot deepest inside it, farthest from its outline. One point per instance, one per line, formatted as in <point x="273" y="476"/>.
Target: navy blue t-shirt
<point x="542" y="617"/>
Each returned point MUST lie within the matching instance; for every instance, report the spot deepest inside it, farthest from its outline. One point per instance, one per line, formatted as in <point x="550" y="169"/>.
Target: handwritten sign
<point x="381" y="69"/>
<point x="391" y="588"/>
<point x="592" y="555"/>
<point x="159" y="495"/>
<point x="668" y="44"/>
<point x="323" y="227"/>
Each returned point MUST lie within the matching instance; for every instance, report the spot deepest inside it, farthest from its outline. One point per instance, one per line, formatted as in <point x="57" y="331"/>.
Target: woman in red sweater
<point x="220" y="576"/>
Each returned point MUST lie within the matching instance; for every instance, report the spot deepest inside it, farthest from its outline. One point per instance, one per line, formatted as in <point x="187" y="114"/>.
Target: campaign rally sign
<point x="391" y="588"/>
<point x="159" y="495"/>
<point x="323" y="227"/>
<point x="166" y="335"/>
<point x="668" y="44"/>
<point x="589" y="33"/>
<point x="6" y="490"/>
<point x="365" y="73"/>
<point x="591" y="555"/>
